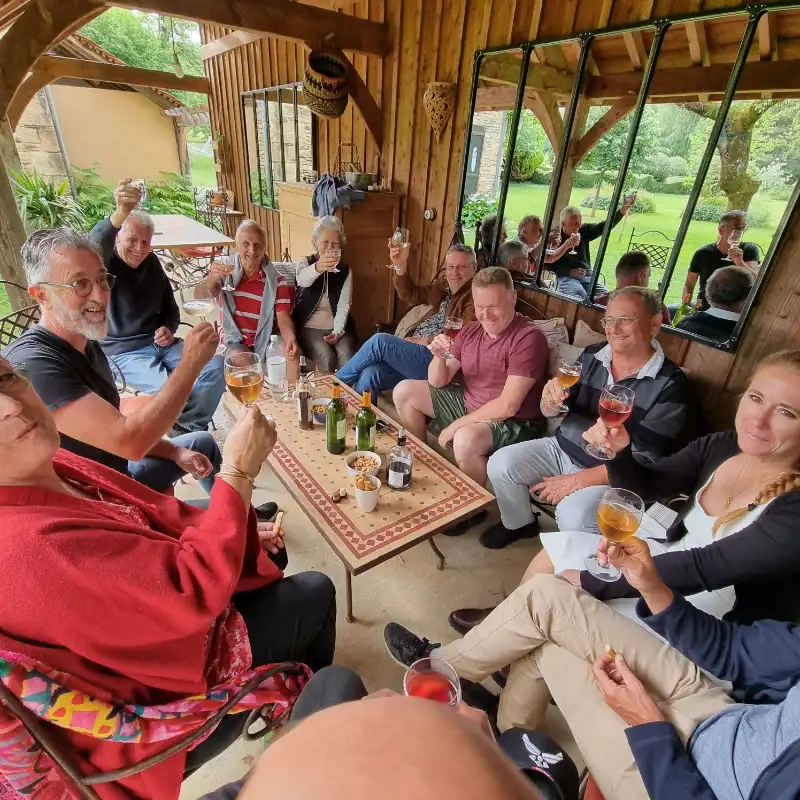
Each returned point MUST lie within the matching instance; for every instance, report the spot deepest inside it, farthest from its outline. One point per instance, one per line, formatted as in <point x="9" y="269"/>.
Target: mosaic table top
<point x="440" y="494"/>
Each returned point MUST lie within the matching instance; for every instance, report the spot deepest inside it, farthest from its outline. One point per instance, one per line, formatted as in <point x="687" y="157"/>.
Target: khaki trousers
<point x="551" y="633"/>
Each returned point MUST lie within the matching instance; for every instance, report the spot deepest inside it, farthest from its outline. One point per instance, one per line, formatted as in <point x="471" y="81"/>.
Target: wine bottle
<point x="399" y="463"/>
<point x="304" y="398"/>
<point x="684" y="309"/>
<point x="336" y="422"/>
<point x="366" y="422"/>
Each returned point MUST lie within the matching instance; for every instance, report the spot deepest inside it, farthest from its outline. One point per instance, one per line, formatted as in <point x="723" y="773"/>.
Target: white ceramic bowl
<point x="319" y="417"/>
<point x="368" y="501"/>
<point x="348" y="462"/>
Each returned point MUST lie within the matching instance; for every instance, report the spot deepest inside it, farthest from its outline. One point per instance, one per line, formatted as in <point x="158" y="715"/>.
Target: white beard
<point x="75" y="321"/>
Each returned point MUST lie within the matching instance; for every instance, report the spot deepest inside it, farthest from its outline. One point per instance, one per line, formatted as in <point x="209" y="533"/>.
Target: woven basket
<point x="325" y="84"/>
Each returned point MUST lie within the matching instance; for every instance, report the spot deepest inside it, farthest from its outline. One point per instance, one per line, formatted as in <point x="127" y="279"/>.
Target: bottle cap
<point x="273" y="337"/>
<point x="335" y="391"/>
<point x="401" y="434"/>
<point x="366" y="398"/>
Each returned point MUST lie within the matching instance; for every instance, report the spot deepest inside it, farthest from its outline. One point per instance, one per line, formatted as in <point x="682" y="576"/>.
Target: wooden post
<point x="12" y="231"/>
<point x="572" y="161"/>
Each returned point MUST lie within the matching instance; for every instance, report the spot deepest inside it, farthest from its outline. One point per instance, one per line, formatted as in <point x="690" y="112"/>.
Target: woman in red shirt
<point x="138" y="594"/>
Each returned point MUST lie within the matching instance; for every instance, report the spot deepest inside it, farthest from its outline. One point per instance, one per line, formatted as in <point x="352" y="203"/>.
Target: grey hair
<point x="142" y="217"/>
<point x="568" y="211"/>
<point x="245" y="224"/>
<point x="510" y="250"/>
<point x="729" y="286"/>
<point x="652" y="305"/>
<point x="530" y="219"/>
<point x="41" y="245"/>
<point x="488" y="226"/>
<point x="730" y="216"/>
<point x="493" y="276"/>
<point x="462" y="248"/>
<point x="329" y="223"/>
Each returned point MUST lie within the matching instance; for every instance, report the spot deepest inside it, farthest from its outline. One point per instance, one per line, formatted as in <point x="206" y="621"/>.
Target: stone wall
<point x="36" y="141"/>
<point x="493" y="124"/>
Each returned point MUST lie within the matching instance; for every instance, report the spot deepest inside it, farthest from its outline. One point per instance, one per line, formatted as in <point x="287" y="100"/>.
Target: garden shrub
<point x="476" y="207"/>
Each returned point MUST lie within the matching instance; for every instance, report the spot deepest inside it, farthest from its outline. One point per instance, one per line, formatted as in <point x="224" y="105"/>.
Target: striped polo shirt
<point x="247" y="302"/>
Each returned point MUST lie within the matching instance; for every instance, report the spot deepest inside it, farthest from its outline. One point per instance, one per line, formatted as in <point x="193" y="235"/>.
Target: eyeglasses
<point x="83" y="287"/>
<point x="623" y="322"/>
<point x="12" y="383"/>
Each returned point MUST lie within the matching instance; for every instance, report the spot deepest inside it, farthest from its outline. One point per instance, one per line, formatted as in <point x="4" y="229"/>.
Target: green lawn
<point x="201" y="169"/>
<point x="5" y="306"/>
<point x="526" y="198"/>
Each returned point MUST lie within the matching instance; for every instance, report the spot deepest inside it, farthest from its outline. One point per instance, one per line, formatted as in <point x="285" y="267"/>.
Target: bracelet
<point x="229" y="471"/>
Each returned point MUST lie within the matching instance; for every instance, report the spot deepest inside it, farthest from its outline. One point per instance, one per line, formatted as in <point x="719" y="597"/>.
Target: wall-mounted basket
<point x="325" y="84"/>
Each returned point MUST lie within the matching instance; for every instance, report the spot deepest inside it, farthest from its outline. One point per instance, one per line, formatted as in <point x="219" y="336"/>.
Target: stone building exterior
<point x="36" y="141"/>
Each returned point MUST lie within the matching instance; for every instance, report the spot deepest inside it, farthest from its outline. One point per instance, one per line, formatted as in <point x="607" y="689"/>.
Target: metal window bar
<point x="644" y="88"/>
<point x="296" y="137"/>
<point x="280" y="135"/>
<point x="476" y="70"/>
<point x="708" y="155"/>
<point x="258" y="156"/>
<point x="267" y="147"/>
<point x="555" y="184"/>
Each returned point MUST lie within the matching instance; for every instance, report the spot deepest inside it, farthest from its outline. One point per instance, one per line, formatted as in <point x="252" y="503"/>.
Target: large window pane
<point x="253" y="149"/>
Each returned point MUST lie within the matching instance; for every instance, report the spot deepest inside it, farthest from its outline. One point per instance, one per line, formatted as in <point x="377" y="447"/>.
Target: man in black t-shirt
<point x="63" y="360"/>
<point x="709" y="258"/>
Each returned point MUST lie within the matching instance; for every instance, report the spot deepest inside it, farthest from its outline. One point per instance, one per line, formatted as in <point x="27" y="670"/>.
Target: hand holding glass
<point x="553" y="241"/>
<point x="616" y="405"/>
<point x="335" y="252"/>
<point x="618" y="517"/>
<point x="734" y="240"/>
<point x="400" y="238"/>
<point x="433" y="679"/>
<point x="452" y="325"/>
<point x="244" y="375"/>
<point x="569" y="373"/>
<point x="574" y="236"/>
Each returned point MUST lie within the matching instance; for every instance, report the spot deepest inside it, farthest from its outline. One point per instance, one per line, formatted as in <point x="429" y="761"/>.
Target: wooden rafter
<point x="24" y="95"/>
<point x="54" y="67"/>
<point x="572" y="50"/>
<point x="603" y="125"/>
<point x="634" y="44"/>
<point x="229" y="42"/>
<point x="767" y="40"/>
<point x="698" y="48"/>
<point x="545" y="108"/>
<point x="10" y="11"/>
<point x="281" y="18"/>
<point x="505" y="69"/>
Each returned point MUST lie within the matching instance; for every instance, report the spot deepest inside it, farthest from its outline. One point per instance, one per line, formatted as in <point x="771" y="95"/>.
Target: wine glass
<point x="141" y="185"/>
<point x="573" y="251"/>
<point x="227" y="262"/>
<point x="553" y="241"/>
<point x="400" y="238"/>
<point x="244" y="376"/>
<point x="618" y="517"/>
<point x="734" y="240"/>
<point x="336" y="252"/>
<point x="569" y="373"/>
<point x="616" y="404"/>
<point x="451" y="327"/>
<point x="433" y="679"/>
<point x="201" y="306"/>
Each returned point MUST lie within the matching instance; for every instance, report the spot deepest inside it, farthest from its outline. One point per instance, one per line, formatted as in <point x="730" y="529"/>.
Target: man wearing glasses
<point x="143" y="315"/>
<point x="62" y="359"/>
<point x="558" y="468"/>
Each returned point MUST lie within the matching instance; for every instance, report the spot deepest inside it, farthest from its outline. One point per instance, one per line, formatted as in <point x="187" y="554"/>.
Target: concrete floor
<point x="407" y="589"/>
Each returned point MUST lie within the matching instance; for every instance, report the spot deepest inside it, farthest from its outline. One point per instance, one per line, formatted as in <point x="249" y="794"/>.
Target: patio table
<point x="440" y="494"/>
<point x="175" y="231"/>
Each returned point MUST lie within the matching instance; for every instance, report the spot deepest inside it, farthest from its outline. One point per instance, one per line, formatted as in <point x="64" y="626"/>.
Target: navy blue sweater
<point x="762" y="661"/>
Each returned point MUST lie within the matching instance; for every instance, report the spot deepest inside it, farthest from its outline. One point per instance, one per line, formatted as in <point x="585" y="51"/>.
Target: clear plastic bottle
<point x="276" y="367"/>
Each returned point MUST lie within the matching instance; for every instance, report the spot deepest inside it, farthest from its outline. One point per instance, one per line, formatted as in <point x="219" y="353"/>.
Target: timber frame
<point x="536" y="86"/>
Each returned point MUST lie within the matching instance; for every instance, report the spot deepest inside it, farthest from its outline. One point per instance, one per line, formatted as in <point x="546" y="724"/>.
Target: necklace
<point x="750" y="485"/>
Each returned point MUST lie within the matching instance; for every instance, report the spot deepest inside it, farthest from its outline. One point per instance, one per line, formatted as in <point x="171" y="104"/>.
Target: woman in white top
<point x="322" y="311"/>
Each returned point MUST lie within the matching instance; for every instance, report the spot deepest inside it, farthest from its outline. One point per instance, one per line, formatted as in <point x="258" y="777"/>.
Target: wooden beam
<point x="634" y="44"/>
<point x="767" y="40"/>
<point x="603" y="125"/>
<point x="229" y="42"/>
<point x="506" y="68"/>
<point x="282" y="18"/>
<point x="24" y="95"/>
<point x="545" y="108"/>
<point x="10" y="11"/>
<point x="55" y="67"/>
<point x="698" y="48"/>
<point x="572" y="50"/>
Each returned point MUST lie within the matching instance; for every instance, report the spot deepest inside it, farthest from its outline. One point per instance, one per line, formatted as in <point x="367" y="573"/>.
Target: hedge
<point x="643" y="204"/>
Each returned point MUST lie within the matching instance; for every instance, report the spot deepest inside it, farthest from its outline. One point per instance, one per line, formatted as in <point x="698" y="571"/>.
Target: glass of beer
<point x="616" y="405"/>
<point x="433" y="679"/>
<point x="569" y="373"/>
<point x="618" y="518"/>
<point x="451" y="327"/>
<point x="244" y="375"/>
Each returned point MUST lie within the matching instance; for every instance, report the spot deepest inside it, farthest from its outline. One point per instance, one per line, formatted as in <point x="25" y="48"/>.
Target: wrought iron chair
<point x="657" y="253"/>
<point x="13" y="325"/>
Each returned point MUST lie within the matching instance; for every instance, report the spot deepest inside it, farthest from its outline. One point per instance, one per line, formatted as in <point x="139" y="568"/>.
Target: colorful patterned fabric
<point x="62" y="700"/>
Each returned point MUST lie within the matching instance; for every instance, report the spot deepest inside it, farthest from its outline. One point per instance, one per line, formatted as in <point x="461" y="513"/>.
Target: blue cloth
<point x="331" y="193"/>
<point x="575" y="287"/>
<point x="746" y="751"/>
<point x="149" y="367"/>
<point x="160" y="473"/>
<point x="383" y="361"/>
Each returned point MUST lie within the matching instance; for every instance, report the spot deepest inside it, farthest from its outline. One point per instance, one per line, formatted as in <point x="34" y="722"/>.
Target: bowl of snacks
<point x="367" y="491"/>
<point x="319" y="408"/>
<point x="362" y="461"/>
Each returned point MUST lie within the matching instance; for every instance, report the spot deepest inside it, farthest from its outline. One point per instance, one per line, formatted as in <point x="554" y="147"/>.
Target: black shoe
<point x="404" y="647"/>
<point x="460" y="528"/>
<point x="177" y="430"/>
<point x="463" y="620"/>
<point x="501" y="676"/>
<point x="476" y="696"/>
<point x="267" y="512"/>
<point x="498" y="536"/>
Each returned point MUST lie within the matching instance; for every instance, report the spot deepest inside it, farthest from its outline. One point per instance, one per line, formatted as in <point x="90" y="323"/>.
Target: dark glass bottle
<point x="399" y="463"/>
<point x="305" y="398"/>
<point x="336" y="422"/>
<point x="366" y="423"/>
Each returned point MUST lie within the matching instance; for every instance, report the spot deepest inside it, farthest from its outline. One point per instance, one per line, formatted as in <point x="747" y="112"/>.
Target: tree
<point x="733" y="146"/>
<point x="529" y="147"/>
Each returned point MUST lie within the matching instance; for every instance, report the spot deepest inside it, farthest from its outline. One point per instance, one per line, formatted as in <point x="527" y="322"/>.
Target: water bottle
<point x="276" y="367"/>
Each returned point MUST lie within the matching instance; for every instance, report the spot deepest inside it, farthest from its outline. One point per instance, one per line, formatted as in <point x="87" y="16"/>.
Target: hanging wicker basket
<point x="325" y="84"/>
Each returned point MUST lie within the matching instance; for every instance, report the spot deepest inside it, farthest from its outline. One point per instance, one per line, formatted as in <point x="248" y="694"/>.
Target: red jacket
<point x="126" y="607"/>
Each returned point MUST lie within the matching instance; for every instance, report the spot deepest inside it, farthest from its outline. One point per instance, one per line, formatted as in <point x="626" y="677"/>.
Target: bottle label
<point x="276" y="371"/>
<point x="372" y="436"/>
<point x="341" y="429"/>
<point x="395" y="479"/>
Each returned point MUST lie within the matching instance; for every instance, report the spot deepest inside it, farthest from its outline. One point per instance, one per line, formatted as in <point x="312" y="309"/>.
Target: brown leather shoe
<point x="463" y="620"/>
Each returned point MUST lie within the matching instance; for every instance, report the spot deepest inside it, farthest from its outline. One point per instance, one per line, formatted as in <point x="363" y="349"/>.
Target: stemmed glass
<point x="573" y="251"/>
<point x="244" y="375"/>
<point x="451" y="327"/>
<point x="227" y="284"/>
<point x="336" y="252"/>
<point x="734" y="240"/>
<point x="553" y="241"/>
<point x="141" y="185"/>
<point x="433" y="679"/>
<point x="569" y="373"/>
<point x="616" y="405"/>
<point x="400" y="238"/>
<point x="200" y="307"/>
<point x="618" y="517"/>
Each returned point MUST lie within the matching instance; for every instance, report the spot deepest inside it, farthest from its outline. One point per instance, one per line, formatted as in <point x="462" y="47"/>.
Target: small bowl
<point x="319" y="416"/>
<point x="368" y="501"/>
<point x="348" y="462"/>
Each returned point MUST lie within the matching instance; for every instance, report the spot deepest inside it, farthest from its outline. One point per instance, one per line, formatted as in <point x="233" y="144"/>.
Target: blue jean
<point x="383" y="361"/>
<point x="159" y="473"/>
<point x="579" y="287"/>
<point x="148" y="369"/>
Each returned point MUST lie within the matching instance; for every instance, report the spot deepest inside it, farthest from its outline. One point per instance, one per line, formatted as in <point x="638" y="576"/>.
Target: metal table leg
<point x="439" y="554"/>
<point x="348" y="583"/>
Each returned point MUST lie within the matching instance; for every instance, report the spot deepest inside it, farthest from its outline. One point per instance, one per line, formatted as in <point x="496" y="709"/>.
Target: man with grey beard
<point x="61" y="356"/>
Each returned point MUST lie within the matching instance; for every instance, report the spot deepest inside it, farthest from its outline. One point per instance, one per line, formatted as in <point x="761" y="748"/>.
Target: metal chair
<point x="13" y="325"/>
<point x="657" y="253"/>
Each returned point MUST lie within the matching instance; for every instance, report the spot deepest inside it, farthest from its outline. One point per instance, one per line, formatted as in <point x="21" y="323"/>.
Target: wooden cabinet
<point x="368" y="226"/>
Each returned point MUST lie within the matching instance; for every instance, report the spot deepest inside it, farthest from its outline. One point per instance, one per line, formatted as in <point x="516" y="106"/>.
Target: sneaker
<point x="405" y="647"/>
<point x="498" y="536"/>
<point x="267" y="512"/>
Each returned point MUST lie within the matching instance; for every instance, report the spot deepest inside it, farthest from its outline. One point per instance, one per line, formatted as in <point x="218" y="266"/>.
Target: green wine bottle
<point x="366" y="422"/>
<point x="336" y="422"/>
